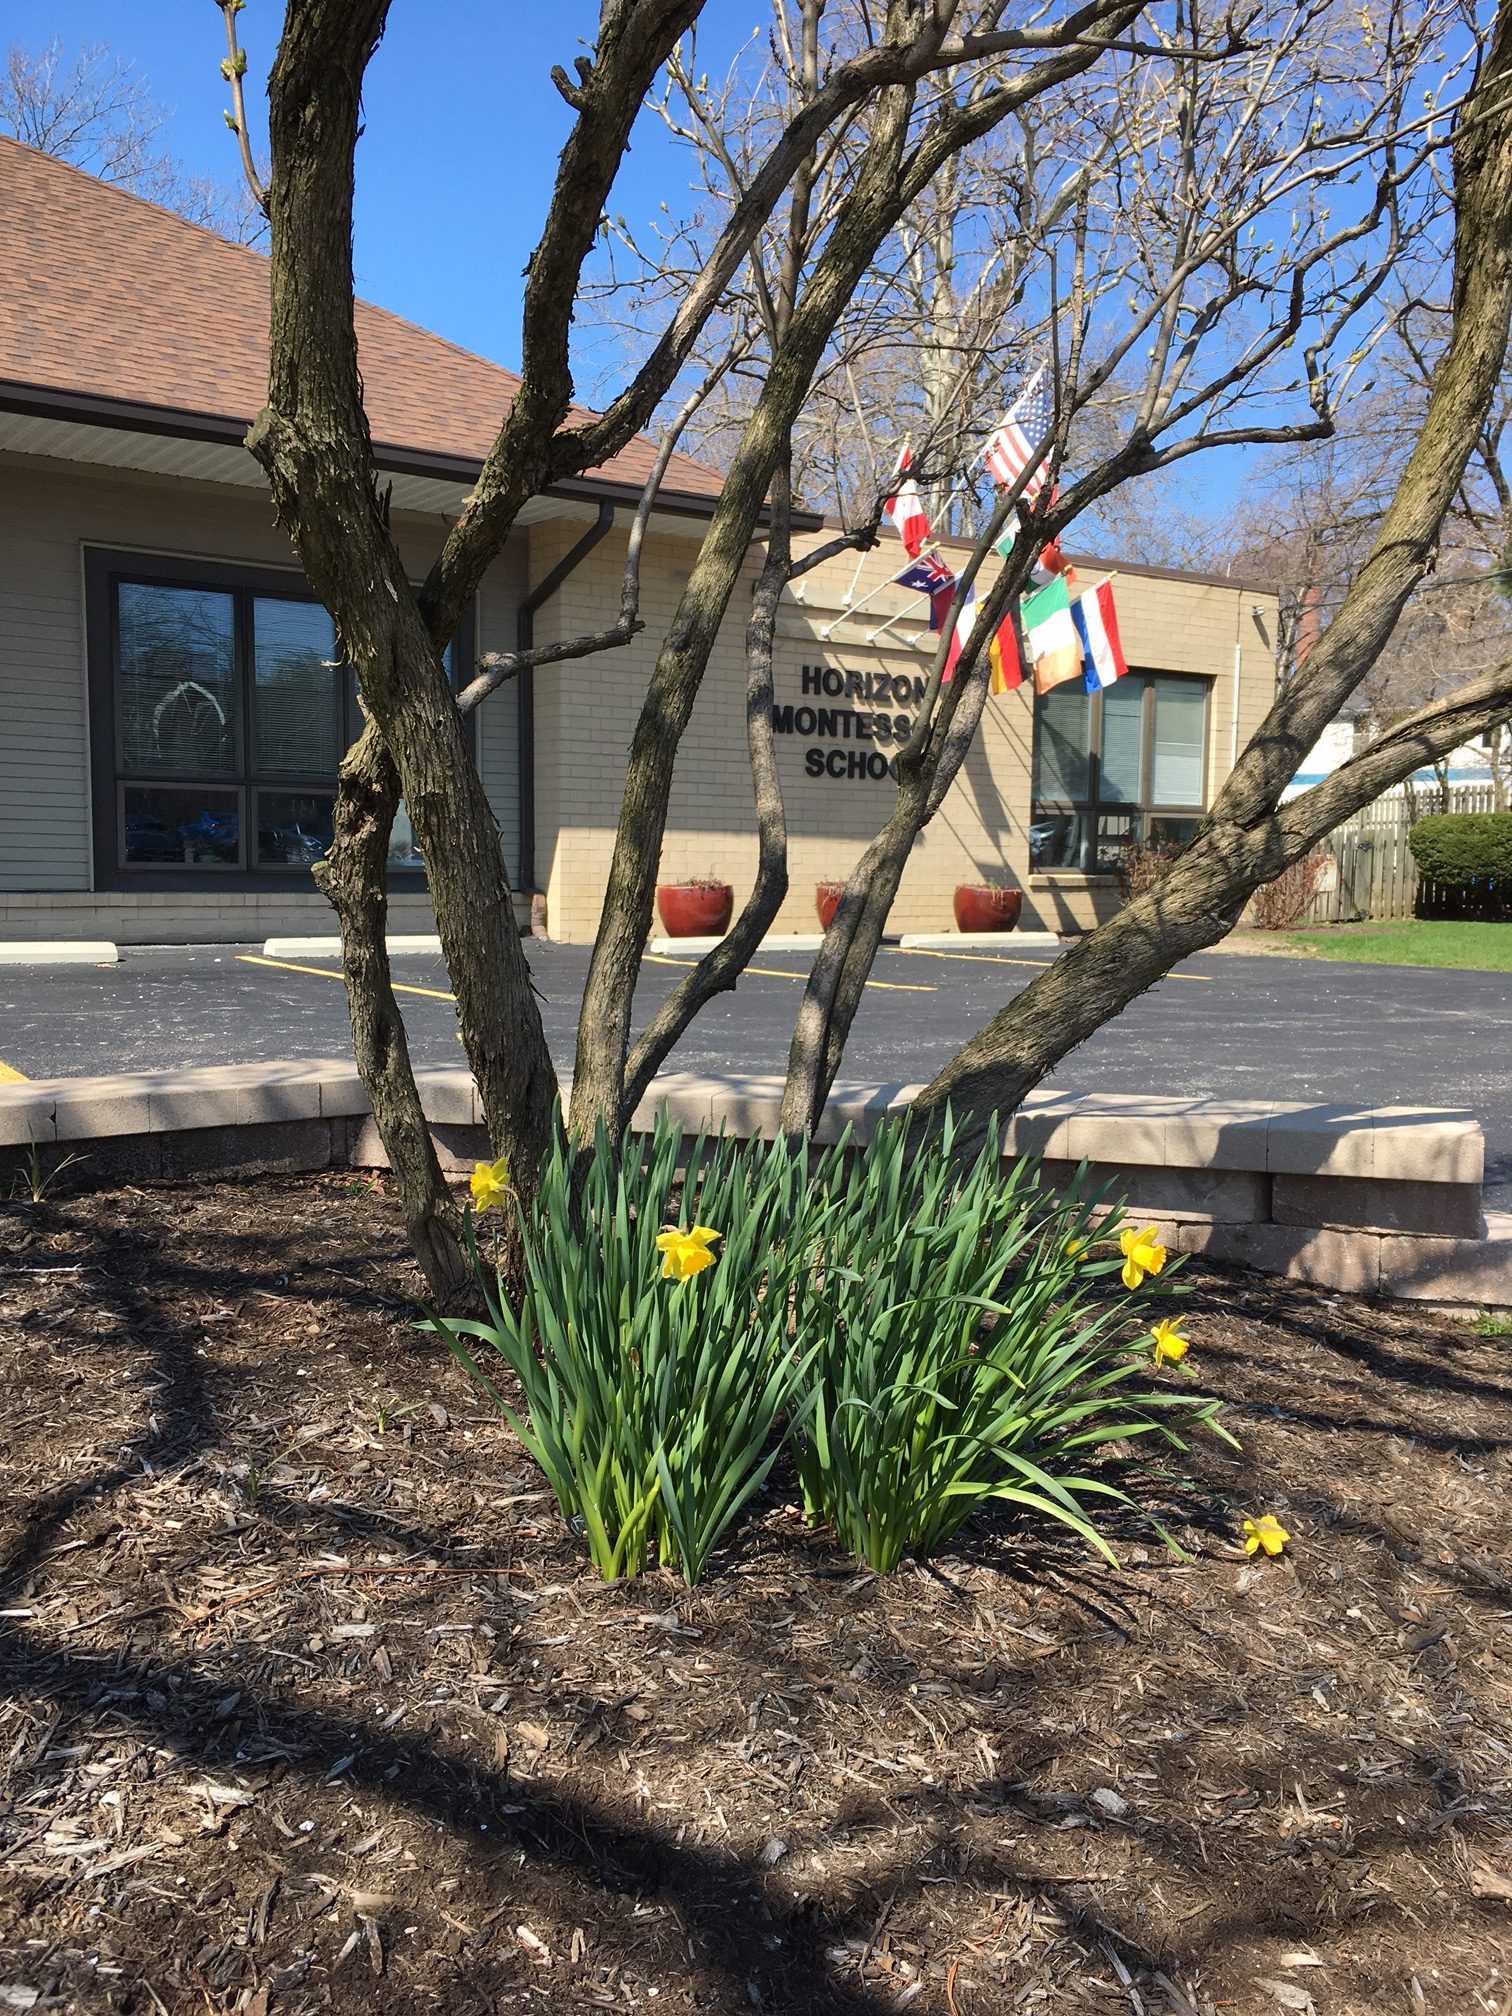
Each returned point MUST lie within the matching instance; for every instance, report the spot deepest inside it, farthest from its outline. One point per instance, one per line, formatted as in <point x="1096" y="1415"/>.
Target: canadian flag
<point x="905" y="511"/>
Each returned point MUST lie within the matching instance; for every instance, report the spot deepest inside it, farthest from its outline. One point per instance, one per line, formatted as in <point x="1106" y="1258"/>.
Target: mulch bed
<point x="309" y="1703"/>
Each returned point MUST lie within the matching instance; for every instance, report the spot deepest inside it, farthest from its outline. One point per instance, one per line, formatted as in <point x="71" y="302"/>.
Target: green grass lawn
<point x="1483" y="948"/>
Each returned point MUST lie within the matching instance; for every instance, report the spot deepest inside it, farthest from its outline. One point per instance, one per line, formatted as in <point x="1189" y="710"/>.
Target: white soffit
<point x="225" y="462"/>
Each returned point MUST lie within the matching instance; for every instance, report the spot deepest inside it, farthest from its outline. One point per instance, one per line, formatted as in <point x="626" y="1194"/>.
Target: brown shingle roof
<point x="109" y="297"/>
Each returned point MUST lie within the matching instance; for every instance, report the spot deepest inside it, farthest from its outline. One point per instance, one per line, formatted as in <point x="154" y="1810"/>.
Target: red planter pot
<point x="695" y="909"/>
<point x="827" y="901"/>
<point x="980" y="908"/>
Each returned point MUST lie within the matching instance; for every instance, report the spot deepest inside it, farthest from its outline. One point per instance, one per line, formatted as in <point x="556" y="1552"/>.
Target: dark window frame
<point x="1095" y="807"/>
<point x="105" y="570"/>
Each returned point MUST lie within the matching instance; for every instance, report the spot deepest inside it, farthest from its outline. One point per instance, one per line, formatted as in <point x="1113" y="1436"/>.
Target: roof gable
<point x="110" y="296"/>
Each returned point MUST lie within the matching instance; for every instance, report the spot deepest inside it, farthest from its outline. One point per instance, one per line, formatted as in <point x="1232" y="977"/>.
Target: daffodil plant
<point x="656" y="1375"/>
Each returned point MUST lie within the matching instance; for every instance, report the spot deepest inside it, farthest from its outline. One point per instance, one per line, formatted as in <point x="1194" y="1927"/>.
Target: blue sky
<point x="454" y="170"/>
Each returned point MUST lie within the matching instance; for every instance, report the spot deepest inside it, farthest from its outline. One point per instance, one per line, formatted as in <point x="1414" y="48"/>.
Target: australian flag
<point x="930" y="576"/>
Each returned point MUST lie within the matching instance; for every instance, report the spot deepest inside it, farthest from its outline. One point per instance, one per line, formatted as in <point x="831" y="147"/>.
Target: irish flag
<point x="1096" y="622"/>
<point x="1051" y="637"/>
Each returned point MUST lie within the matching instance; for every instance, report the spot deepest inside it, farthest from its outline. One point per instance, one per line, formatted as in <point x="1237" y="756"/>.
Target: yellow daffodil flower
<point x="490" y="1183"/>
<point x="1143" y="1254"/>
<point x="1075" y="1248"/>
<point x="1267" y="1532"/>
<point x="685" y="1254"/>
<point x="1169" y="1342"/>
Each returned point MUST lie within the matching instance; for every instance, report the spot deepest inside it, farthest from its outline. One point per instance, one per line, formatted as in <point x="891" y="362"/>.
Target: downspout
<point x="545" y="588"/>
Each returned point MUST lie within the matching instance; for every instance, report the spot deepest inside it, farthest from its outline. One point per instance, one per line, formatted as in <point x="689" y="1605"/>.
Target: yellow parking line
<point x="325" y="973"/>
<point x="782" y="973"/>
<point x="9" y="1075"/>
<point x="995" y="959"/>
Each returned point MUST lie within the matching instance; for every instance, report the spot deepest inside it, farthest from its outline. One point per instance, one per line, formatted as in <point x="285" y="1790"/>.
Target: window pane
<point x="177" y="681"/>
<point x="1172" y="833"/>
<point x="167" y="826"/>
<point x="403" y="850"/>
<point x="1057" y="839"/>
<point x="1062" y="739"/>
<point x="293" y="827"/>
<point x="1117" y="836"/>
<point x="1180" y="732"/>
<point x="296" y="712"/>
<point x="1123" y="742"/>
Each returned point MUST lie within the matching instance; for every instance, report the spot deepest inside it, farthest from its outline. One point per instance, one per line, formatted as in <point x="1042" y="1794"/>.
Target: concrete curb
<point x="59" y="952"/>
<point x="330" y="948"/>
<point x="1384" y="1201"/>
<point x="977" y="941"/>
<point x="792" y="941"/>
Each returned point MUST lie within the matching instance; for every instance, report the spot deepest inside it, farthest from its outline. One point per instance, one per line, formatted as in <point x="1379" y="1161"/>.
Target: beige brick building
<point x="172" y="715"/>
<point x="1142" y="763"/>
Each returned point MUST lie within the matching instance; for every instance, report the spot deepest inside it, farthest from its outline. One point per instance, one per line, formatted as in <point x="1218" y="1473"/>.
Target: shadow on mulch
<point x="306" y="1702"/>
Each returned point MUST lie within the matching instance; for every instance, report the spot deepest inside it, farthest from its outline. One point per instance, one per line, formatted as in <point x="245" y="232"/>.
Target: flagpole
<point x="855" y="608"/>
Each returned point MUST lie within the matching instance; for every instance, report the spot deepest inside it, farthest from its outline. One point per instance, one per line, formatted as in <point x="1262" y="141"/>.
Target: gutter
<point x="40" y="402"/>
<point x="545" y="588"/>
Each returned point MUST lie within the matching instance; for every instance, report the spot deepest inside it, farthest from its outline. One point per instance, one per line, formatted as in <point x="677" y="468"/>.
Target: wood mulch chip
<point x="309" y="1703"/>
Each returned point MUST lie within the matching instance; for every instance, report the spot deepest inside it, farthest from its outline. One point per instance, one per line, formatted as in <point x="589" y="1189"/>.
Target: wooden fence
<point x="1375" y="875"/>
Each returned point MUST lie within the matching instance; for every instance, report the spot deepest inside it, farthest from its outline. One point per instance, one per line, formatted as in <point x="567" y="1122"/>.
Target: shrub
<point x="965" y="1352"/>
<point x="1278" y="904"/>
<point x="1141" y="866"/>
<point x="1459" y="850"/>
<point x="651" y="1404"/>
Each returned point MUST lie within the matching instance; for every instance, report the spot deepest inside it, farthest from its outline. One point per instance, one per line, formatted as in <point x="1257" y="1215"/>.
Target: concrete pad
<point x="1042" y="1126"/>
<point x="687" y="1098"/>
<point x="1428" y="1144"/>
<point x="979" y="941"/>
<point x="1334" y="1138"/>
<point x="1349" y="1261"/>
<point x="99" y="1108"/>
<point x="58" y="952"/>
<point x="1369" y="1203"/>
<point x="1220" y="1196"/>
<point x="1118" y="1128"/>
<point x="330" y="947"/>
<point x="449" y="1098"/>
<point x="1217" y="1133"/>
<point x="1473" y="1272"/>
<point x="176" y="1107"/>
<point x="283" y="1092"/>
<point x="26" y="1115"/>
<point x="861" y="1107"/>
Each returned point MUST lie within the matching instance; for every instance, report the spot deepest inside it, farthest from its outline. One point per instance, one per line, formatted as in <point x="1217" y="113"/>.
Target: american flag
<point x="1025" y="424"/>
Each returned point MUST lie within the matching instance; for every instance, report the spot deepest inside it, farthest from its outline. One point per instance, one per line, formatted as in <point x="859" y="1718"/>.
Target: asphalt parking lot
<point x="1220" y="1025"/>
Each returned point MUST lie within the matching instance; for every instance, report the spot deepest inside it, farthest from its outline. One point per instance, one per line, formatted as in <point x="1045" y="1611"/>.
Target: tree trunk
<point x="313" y="441"/>
<point x="354" y="876"/>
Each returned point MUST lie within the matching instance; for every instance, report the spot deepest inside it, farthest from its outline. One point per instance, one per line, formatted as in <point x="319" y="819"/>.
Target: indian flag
<point x="1050" y="636"/>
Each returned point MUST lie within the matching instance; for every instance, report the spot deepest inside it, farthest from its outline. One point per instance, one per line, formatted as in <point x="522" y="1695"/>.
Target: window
<point x="220" y="712"/>
<point x="1117" y="769"/>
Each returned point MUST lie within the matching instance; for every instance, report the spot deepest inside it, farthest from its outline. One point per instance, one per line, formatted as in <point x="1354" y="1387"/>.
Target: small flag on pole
<point x="905" y="511"/>
<point x="1011" y="449"/>
<point x="1096" y="621"/>
<point x="1051" y="560"/>
<point x="965" y="618"/>
<point x="1006" y="659"/>
<point x="1051" y="637"/>
<point x="930" y="576"/>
